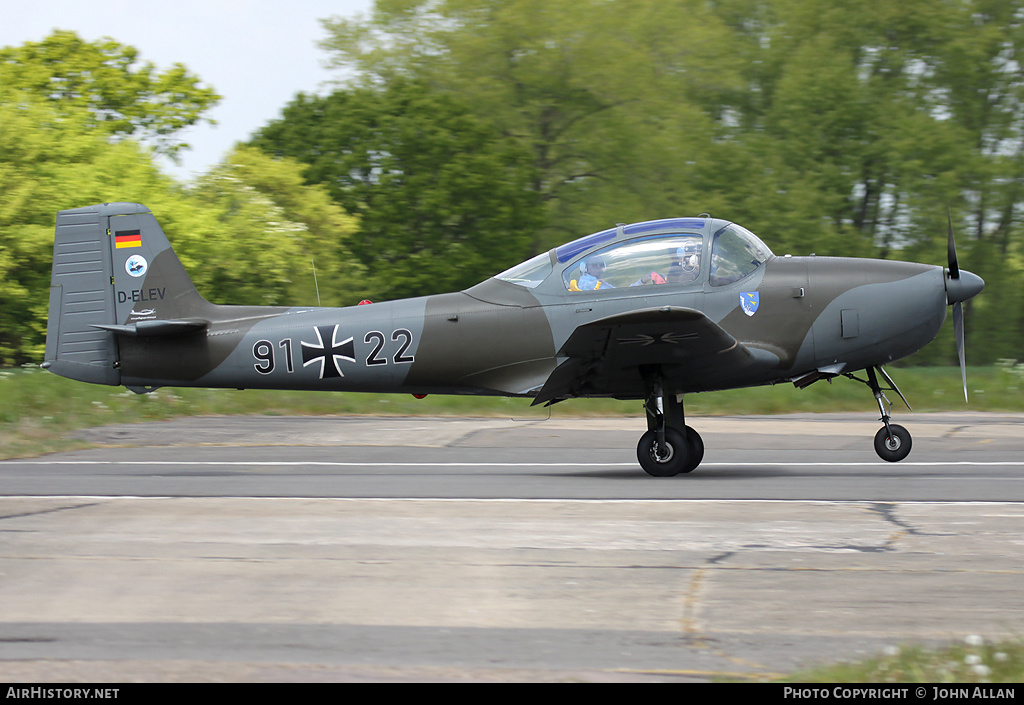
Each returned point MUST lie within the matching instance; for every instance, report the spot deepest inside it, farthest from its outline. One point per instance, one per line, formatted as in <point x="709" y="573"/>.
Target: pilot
<point x="590" y="274"/>
<point x="689" y="262"/>
<point x="682" y="268"/>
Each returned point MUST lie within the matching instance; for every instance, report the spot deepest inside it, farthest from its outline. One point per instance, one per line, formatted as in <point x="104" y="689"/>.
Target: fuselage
<point x="501" y="339"/>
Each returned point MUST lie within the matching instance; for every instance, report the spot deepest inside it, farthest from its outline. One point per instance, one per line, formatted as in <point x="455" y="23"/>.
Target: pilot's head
<point x="689" y="255"/>
<point x="595" y="266"/>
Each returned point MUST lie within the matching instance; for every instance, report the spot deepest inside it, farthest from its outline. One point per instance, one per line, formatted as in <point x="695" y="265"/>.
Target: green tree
<point x="984" y="97"/>
<point x="248" y="231"/>
<point x="884" y="115"/>
<point x="441" y="199"/>
<point x="123" y="95"/>
<point x="256" y="230"/>
<point x="52" y="159"/>
<point x="610" y="100"/>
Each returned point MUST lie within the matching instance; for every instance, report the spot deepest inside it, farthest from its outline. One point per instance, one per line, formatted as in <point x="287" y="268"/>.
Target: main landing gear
<point x="892" y="442"/>
<point x="669" y="447"/>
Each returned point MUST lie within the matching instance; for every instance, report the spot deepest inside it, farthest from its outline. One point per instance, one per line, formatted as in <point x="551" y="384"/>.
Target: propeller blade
<point x="958" y="331"/>
<point x="954" y="267"/>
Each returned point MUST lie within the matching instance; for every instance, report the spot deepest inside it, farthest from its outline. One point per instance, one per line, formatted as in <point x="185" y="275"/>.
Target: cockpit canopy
<point x="661" y="252"/>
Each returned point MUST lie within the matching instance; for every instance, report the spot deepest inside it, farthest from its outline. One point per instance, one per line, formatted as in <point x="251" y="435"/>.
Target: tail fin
<point x="114" y="272"/>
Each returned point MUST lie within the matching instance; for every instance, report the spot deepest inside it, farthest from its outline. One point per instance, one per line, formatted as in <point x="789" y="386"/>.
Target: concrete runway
<point x="411" y="549"/>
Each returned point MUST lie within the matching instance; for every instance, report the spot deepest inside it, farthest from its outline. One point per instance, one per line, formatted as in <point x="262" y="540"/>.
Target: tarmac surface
<point x="411" y="549"/>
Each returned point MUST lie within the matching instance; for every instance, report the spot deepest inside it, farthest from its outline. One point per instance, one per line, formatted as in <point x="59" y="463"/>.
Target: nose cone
<point x="963" y="288"/>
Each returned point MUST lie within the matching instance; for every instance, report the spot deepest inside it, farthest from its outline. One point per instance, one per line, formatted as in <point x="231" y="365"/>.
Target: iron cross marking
<point x="327" y="348"/>
<point x="645" y="339"/>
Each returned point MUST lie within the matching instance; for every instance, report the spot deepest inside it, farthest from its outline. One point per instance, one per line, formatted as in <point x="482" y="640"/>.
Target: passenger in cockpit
<point x="591" y="273"/>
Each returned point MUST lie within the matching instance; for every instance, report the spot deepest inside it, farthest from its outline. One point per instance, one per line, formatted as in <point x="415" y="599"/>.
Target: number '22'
<point x="376" y="338"/>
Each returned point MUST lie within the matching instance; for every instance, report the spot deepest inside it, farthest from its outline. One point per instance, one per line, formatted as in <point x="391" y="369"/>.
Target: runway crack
<point x="887" y="511"/>
<point x="51" y="510"/>
<point x="692" y="634"/>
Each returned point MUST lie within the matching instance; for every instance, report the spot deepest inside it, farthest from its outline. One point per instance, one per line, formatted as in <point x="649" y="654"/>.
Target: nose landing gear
<point x="892" y="442"/>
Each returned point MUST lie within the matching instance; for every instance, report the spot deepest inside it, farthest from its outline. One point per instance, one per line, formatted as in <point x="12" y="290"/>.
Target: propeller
<point x="958" y="331"/>
<point x="960" y="286"/>
<point x="958" y="307"/>
<point x="954" y="267"/>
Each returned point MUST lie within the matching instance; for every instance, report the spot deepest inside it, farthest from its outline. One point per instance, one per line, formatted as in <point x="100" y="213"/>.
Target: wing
<point x="611" y="356"/>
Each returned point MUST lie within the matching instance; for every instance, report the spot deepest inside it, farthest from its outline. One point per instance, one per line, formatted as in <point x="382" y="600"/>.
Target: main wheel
<point x="893" y="445"/>
<point x="664" y="460"/>
<point x="696" y="444"/>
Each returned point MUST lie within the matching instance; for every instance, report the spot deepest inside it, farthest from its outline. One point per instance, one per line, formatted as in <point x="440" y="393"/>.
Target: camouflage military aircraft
<point x="650" y="311"/>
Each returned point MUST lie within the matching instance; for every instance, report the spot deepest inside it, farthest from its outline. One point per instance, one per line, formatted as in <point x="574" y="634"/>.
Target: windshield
<point x="529" y="273"/>
<point x="735" y="253"/>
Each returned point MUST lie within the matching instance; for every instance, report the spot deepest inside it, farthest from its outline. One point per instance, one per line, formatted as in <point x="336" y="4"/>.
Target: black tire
<point x="666" y="461"/>
<point x="894" y="448"/>
<point x="696" y="450"/>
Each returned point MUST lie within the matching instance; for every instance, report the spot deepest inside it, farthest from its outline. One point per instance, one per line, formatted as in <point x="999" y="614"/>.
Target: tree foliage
<point x="442" y="200"/>
<point x="892" y="114"/>
<point x="589" y="90"/>
<point x="123" y="95"/>
<point x="248" y="231"/>
<point x="266" y="237"/>
<point x="51" y="159"/>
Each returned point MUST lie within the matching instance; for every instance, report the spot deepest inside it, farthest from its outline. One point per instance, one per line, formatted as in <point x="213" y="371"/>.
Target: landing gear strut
<point x="892" y="442"/>
<point x="669" y="447"/>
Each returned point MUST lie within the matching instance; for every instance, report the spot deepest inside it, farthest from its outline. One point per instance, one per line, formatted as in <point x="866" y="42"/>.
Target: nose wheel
<point x="892" y="442"/>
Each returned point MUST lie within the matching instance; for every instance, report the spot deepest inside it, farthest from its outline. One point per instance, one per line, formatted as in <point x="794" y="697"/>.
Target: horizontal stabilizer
<point x="156" y="328"/>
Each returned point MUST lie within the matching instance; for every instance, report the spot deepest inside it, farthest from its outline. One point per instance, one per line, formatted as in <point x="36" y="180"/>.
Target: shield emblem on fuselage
<point x="749" y="301"/>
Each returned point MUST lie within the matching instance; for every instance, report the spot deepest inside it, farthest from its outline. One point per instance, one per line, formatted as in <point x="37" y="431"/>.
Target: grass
<point x="40" y="411"/>
<point x="972" y="661"/>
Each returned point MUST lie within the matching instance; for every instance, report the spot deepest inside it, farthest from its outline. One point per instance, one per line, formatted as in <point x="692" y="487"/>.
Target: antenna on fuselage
<point x="315" y="284"/>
